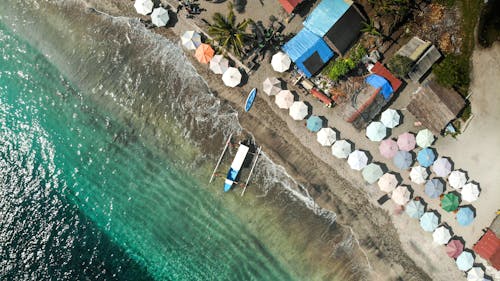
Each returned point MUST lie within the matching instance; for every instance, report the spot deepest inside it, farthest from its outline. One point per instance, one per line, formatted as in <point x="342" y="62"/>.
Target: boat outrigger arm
<point x="238" y="160"/>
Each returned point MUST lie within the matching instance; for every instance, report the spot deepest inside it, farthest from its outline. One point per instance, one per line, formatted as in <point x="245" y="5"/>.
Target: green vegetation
<point x="453" y="72"/>
<point x="466" y="113"/>
<point x="400" y="65"/>
<point x="398" y="10"/>
<point x="369" y="27"/>
<point x="448" y="3"/>
<point x="341" y="67"/>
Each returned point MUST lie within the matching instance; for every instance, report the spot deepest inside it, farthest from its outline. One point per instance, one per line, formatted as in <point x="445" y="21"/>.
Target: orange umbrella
<point x="204" y="53"/>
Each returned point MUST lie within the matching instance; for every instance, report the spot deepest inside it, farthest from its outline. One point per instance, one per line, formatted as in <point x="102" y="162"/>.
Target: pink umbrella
<point x="388" y="148"/>
<point x="454" y="248"/>
<point x="406" y="141"/>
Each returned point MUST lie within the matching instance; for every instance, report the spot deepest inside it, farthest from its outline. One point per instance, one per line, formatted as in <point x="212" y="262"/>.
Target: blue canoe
<point x="250" y="98"/>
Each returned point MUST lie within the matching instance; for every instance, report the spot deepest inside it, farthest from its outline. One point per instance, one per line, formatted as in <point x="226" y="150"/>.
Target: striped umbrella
<point x="470" y="192"/>
<point x="372" y="172"/>
<point x="415" y="209"/>
<point x="388" y="148"/>
<point x="450" y="202"/>
<point x="403" y="160"/>
<point x="406" y="141"/>
<point x="418" y="174"/>
<point x="441" y="167"/>
<point x="191" y="40"/>
<point x="465" y="216"/>
<point x="219" y="64"/>
<point x="388" y="182"/>
<point x="271" y="86"/>
<point x="314" y="124"/>
<point x="341" y="149"/>
<point x="465" y="261"/>
<point x="357" y="160"/>
<point x="424" y="138"/>
<point x="429" y="221"/>
<point x="434" y="188"/>
<point x="426" y="157"/>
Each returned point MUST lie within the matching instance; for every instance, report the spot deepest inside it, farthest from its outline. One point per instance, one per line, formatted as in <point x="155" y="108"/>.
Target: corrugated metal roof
<point x="325" y="15"/>
<point x="424" y="64"/>
<point x="488" y="247"/>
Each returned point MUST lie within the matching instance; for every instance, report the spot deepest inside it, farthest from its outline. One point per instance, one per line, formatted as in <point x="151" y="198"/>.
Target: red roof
<point x="289" y="5"/>
<point x="488" y="247"/>
<point x="379" y="69"/>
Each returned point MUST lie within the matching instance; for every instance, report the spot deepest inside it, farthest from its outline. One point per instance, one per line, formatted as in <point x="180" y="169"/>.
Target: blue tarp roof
<point x="378" y="81"/>
<point x="325" y="15"/>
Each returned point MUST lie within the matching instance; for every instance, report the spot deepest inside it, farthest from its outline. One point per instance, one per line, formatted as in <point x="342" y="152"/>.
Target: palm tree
<point x="227" y="33"/>
<point x="369" y="27"/>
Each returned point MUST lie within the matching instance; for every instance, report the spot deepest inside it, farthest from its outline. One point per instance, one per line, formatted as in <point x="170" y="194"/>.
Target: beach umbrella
<point x="470" y="192"/>
<point x="204" y="53"/>
<point x="390" y="118"/>
<point x="415" y="209"/>
<point x="426" y="157"/>
<point x="284" y="99"/>
<point x="372" y="172"/>
<point x="441" y="235"/>
<point x="388" y="182"/>
<point x="401" y="195"/>
<point x="271" y="86"/>
<point x="280" y="62"/>
<point x="403" y="160"/>
<point x="434" y="188"/>
<point x="406" y="141"/>
<point x="314" y="124"/>
<point x="191" y="40"/>
<point x="298" y="110"/>
<point x="429" y="221"/>
<point x="388" y="148"/>
<point x="424" y="138"/>
<point x="475" y="274"/>
<point x="357" y="160"/>
<point x="441" y="167"/>
<point x="454" y="248"/>
<point x="143" y="7"/>
<point x="465" y="216"/>
<point x="457" y="179"/>
<point x="418" y="174"/>
<point x="450" y="202"/>
<point x="160" y="17"/>
<point x="376" y="131"/>
<point x="341" y="149"/>
<point x="326" y="136"/>
<point x="219" y="64"/>
<point x="231" y="77"/>
<point x="465" y="261"/>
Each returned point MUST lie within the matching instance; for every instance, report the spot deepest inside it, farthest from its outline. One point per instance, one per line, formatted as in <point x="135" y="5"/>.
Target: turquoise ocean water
<point x="104" y="154"/>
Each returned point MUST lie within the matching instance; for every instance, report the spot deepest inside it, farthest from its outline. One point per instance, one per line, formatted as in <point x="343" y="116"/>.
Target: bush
<point x="400" y="65"/>
<point x="340" y="68"/>
<point x="453" y="72"/>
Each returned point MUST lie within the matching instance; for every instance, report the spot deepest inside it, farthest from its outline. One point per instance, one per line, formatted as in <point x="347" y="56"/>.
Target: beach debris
<point x="403" y="160"/>
<point x="418" y="174"/>
<point x="204" y="53"/>
<point x="231" y="77"/>
<point x="450" y="202"/>
<point x="299" y="110"/>
<point x="280" y="62"/>
<point x="406" y="141"/>
<point x="191" y="40"/>
<point x="143" y="7"/>
<point x="388" y="148"/>
<point x="219" y="64"/>
<point x="442" y="167"/>
<point x="388" y="182"/>
<point x="454" y="248"/>
<point x="424" y="138"/>
<point x="326" y="136"/>
<point x="434" y="188"/>
<point x="160" y="17"/>
<point x="271" y="86"/>
<point x="465" y="216"/>
<point x="372" y="172"/>
<point x="376" y="131"/>
<point x="426" y="157"/>
<point x="470" y="192"/>
<point x="465" y="260"/>
<point x="441" y="235"/>
<point x="457" y="179"/>
<point x="401" y="195"/>
<point x="390" y="118"/>
<point x="357" y="160"/>
<point x="314" y="123"/>
<point x="341" y="149"/>
<point x="475" y="274"/>
<point x="284" y="99"/>
<point x="415" y="209"/>
<point x="429" y="221"/>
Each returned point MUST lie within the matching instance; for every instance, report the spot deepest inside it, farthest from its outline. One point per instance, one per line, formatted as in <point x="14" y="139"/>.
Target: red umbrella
<point x="454" y="248"/>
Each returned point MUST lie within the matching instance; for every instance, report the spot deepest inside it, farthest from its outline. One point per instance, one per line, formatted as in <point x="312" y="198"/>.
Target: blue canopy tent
<point x="308" y="51"/>
<point x="378" y="81"/>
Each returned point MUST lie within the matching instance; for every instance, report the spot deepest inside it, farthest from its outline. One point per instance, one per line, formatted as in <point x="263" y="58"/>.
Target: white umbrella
<point x="191" y="40"/>
<point x="475" y="274"/>
<point x="470" y="192"/>
<point x="231" y="77"/>
<point x="418" y="174"/>
<point x="219" y="64"/>
<point x="442" y="167"/>
<point x="388" y="182"/>
<point x="284" y="99"/>
<point x="326" y="136"/>
<point x="143" y="7"/>
<point x="424" y="138"/>
<point x="341" y="149"/>
<point x="372" y="172"/>
<point x="376" y="131"/>
<point x="401" y="195"/>
<point x="390" y="118"/>
<point x="441" y="235"/>
<point x="465" y="261"/>
<point x="271" y="86"/>
<point x="457" y="179"/>
<point x="357" y="160"/>
<point x="160" y="17"/>
<point x="298" y="110"/>
<point x="280" y="62"/>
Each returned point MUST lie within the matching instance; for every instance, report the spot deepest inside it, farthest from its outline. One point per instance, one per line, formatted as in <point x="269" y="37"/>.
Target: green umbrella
<point x="449" y="202"/>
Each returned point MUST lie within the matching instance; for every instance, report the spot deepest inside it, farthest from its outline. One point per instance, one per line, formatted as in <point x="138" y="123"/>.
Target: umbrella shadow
<point x="325" y="121"/>
<point x="382" y="166"/>
<point x="438" y="215"/>
<point x="309" y="109"/>
<point x="445" y="225"/>
<point x="422" y="201"/>
<point x="410" y="189"/>
<point x="449" y="160"/>
<point x="353" y="145"/>
<point x="337" y="133"/>
<point x="245" y="77"/>
<point x="442" y="181"/>
<point x="368" y="155"/>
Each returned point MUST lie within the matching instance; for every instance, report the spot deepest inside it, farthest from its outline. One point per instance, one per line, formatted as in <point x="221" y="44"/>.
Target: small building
<point x="289" y="5"/>
<point x="423" y="54"/>
<point x="308" y="51"/>
<point x="488" y="247"/>
<point x="435" y="106"/>
<point x="381" y="70"/>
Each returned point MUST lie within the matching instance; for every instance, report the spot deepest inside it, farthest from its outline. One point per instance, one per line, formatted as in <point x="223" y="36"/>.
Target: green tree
<point x="369" y="27"/>
<point x="453" y="72"/>
<point x="340" y="68"/>
<point x="400" y="65"/>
